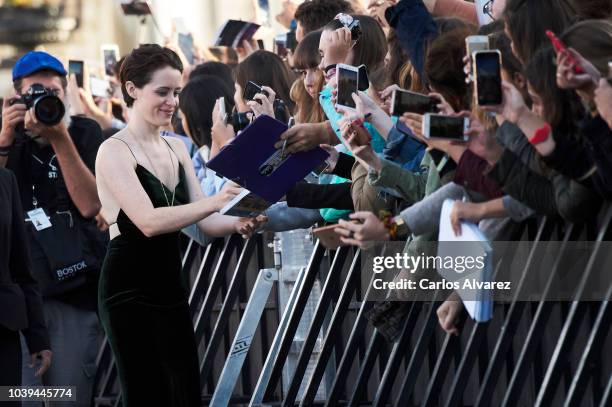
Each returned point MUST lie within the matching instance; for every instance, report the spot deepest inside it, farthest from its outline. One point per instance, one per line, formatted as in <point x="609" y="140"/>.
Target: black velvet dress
<point x="144" y="310"/>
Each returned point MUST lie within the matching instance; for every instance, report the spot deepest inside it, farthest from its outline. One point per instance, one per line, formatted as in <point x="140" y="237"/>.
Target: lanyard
<point x="51" y="174"/>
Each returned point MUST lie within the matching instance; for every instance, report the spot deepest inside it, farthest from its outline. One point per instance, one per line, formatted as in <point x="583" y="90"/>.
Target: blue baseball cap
<point x="35" y="61"/>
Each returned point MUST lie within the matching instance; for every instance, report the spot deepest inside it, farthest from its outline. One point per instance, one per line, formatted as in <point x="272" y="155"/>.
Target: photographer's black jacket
<point x="20" y="300"/>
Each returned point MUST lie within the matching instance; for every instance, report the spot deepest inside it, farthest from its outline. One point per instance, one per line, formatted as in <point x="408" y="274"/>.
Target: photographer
<point x="53" y="156"/>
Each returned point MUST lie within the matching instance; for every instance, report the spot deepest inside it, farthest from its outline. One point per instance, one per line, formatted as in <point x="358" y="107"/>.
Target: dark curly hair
<point x="140" y="64"/>
<point x="315" y="14"/>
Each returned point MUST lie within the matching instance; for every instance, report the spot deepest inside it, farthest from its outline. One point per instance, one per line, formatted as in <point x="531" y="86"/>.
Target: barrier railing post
<point x="266" y="370"/>
<point x="244" y="336"/>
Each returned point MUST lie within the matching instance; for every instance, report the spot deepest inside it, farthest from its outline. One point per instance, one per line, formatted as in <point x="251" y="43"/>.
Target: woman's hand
<point x="386" y="96"/>
<point x="449" y="313"/>
<point x="443" y="106"/>
<point x="377" y="8"/>
<point x="227" y="193"/>
<point x="244" y="50"/>
<point x="513" y="106"/>
<point x="357" y="139"/>
<point x="603" y="100"/>
<point x="72" y="94"/>
<point x="568" y="79"/>
<point x="370" y="229"/>
<point x="246" y="227"/>
<point x="339" y="46"/>
<point x="482" y="142"/>
<point x="303" y="137"/>
<point x="414" y="122"/>
<point x="262" y="104"/>
<point x="465" y="211"/>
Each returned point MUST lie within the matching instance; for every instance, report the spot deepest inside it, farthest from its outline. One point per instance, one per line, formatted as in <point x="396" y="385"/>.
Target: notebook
<point x="266" y="173"/>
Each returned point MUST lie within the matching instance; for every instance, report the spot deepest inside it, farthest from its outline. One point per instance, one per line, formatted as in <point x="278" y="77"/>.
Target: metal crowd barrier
<point x="530" y="354"/>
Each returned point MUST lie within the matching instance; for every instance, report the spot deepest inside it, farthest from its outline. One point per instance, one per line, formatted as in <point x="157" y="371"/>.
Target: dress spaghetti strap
<point x="171" y="149"/>
<point x="128" y="146"/>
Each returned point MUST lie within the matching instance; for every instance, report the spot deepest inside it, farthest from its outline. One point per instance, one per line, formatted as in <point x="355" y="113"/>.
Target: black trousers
<point x="10" y="361"/>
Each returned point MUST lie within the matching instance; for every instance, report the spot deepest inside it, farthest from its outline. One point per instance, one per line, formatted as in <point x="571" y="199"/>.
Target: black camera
<point x="48" y="108"/>
<point x="240" y="121"/>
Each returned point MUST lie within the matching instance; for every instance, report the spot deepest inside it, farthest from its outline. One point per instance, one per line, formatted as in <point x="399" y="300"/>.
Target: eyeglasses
<point x="488" y="9"/>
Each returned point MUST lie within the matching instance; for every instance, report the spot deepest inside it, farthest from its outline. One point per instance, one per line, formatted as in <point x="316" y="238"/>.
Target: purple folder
<point x="252" y="162"/>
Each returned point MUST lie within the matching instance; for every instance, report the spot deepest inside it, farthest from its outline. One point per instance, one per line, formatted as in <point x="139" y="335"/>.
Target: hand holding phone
<point x="76" y="67"/>
<point x="251" y="89"/>
<point x="437" y="126"/>
<point x="560" y="48"/>
<point x="347" y="78"/>
<point x="487" y="77"/>
<point x="403" y="101"/>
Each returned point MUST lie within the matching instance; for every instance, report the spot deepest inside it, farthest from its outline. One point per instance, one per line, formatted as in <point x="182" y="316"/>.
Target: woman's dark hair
<point x="216" y="69"/>
<point x="593" y="40"/>
<point x="397" y="59"/>
<point x="197" y="102"/>
<point x="444" y="67"/>
<point x="562" y="108"/>
<point x="527" y="22"/>
<point x="501" y="42"/>
<point x="593" y="9"/>
<point x="371" y="48"/>
<point x="307" y="52"/>
<point x="140" y="64"/>
<point x="312" y="15"/>
<point x="265" y="68"/>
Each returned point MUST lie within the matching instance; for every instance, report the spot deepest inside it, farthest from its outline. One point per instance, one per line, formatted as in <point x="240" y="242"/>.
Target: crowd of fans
<point x="545" y="150"/>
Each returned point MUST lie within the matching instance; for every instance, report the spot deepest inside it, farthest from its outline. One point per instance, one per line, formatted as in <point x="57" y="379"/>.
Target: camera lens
<point x="49" y="110"/>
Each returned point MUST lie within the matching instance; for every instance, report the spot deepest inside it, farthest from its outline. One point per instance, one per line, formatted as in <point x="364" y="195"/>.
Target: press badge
<point x="39" y="219"/>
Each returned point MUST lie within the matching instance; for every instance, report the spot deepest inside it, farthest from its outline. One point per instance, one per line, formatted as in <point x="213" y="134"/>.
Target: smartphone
<point x="260" y="44"/>
<point x="252" y="89"/>
<point x="99" y="87"/>
<point x="445" y="127"/>
<point x="223" y="110"/>
<point x="403" y="101"/>
<point x="76" y="67"/>
<point x="110" y="56"/>
<point x="475" y="43"/>
<point x="487" y="77"/>
<point x="185" y="42"/>
<point x="328" y="236"/>
<point x="560" y="47"/>
<point x="363" y="82"/>
<point x="348" y="79"/>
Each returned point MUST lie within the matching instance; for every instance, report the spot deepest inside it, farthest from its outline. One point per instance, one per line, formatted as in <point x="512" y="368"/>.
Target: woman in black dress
<point x="149" y="191"/>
